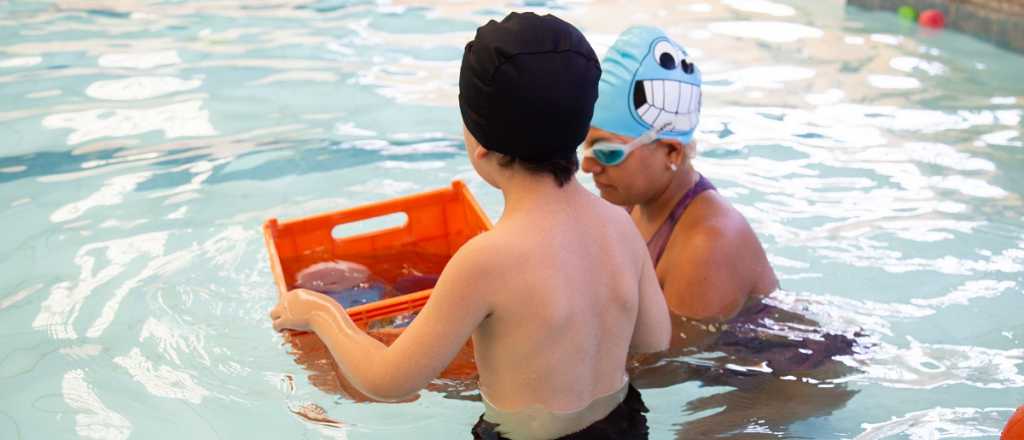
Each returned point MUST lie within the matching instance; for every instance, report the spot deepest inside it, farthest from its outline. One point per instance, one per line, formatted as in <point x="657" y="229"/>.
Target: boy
<point x="557" y="294"/>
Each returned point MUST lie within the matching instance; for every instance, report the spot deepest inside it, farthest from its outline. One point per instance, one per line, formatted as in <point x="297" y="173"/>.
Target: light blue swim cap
<point x="648" y="81"/>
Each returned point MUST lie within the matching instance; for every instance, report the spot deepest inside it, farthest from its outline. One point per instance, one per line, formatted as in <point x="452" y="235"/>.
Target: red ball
<point x="1015" y="427"/>
<point x="932" y="18"/>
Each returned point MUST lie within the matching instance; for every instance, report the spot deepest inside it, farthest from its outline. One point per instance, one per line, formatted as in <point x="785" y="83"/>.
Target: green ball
<point x="907" y="13"/>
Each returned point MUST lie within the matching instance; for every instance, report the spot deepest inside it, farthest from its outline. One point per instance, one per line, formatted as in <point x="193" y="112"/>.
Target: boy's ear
<point x="480" y="153"/>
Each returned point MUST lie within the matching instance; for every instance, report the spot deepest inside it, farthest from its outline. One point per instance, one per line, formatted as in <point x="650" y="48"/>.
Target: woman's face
<point x="642" y="176"/>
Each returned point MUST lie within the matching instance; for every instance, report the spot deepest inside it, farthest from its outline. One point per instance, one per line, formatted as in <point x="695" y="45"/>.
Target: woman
<point x="710" y="264"/>
<point x="640" y="150"/>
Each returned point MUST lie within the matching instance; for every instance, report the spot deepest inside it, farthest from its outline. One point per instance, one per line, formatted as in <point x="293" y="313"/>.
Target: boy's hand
<point x="295" y="308"/>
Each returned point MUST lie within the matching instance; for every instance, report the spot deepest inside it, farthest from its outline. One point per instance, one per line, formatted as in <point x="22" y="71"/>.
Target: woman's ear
<point x="675" y="151"/>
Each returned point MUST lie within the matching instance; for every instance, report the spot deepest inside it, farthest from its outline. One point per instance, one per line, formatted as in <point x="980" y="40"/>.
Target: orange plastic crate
<point x="438" y="223"/>
<point x="1015" y="427"/>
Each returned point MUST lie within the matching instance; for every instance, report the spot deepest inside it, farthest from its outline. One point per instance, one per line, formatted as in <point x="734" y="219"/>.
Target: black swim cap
<point x="527" y="87"/>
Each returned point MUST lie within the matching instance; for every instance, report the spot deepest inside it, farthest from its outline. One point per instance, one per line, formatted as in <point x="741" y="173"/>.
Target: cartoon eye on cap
<point x="687" y="66"/>
<point x="666" y="55"/>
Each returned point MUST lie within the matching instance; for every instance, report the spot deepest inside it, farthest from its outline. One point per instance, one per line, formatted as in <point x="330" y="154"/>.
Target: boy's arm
<point x="456" y="307"/>
<point x="653" y="325"/>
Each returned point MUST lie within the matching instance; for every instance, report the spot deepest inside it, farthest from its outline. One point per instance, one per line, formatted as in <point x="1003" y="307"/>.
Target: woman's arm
<point x="704" y="276"/>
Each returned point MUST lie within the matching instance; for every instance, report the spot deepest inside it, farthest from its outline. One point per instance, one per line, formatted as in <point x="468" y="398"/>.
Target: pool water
<point x="142" y="143"/>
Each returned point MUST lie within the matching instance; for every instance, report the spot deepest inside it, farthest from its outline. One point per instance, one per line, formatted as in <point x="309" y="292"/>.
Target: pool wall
<point x="998" y="21"/>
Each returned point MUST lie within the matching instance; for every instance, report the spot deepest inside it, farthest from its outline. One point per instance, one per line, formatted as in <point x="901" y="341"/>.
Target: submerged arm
<point x="456" y="307"/>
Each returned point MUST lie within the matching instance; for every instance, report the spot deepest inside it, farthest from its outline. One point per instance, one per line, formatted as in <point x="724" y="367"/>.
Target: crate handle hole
<point x="372" y="224"/>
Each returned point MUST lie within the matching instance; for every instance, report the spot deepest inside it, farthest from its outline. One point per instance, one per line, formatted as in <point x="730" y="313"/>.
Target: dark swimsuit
<point x="746" y="332"/>
<point x="626" y="422"/>
<point x="659" y="241"/>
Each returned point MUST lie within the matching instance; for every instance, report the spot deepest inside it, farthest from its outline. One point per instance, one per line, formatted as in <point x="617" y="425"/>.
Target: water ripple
<point x="939" y="423"/>
<point x="162" y="381"/>
<point x="94" y="419"/>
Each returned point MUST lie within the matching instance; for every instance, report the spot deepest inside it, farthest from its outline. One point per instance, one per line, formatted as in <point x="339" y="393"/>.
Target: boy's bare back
<point x="566" y="289"/>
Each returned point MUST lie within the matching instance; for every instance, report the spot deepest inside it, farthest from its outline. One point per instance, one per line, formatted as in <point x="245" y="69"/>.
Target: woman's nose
<point x="591" y="165"/>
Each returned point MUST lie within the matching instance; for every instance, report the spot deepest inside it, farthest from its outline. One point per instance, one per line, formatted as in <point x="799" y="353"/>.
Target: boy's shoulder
<point x="610" y="212"/>
<point x="496" y="246"/>
<point x="510" y="245"/>
<point x="482" y="253"/>
<point x="486" y="264"/>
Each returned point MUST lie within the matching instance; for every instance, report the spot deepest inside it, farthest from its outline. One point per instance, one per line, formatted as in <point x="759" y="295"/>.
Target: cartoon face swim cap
<point x="648" y="81"/>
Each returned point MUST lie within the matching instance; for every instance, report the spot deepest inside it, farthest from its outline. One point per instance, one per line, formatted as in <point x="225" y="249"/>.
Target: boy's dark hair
<point x="561" y="169"/>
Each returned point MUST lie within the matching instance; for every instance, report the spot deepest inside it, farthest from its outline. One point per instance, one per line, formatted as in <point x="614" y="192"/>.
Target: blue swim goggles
<point x="610" y="153"/>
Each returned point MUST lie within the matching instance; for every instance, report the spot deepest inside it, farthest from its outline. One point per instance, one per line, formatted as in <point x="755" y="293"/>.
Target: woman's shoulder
<point x="711" y="219"/>
<point x="712" y="235"/>
<point x="719" y="249"/>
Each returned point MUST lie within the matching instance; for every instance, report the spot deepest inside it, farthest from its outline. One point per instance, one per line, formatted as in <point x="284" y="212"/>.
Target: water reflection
<point x="139" y="87"/>
<point x="94" y="419"/>
<point x="893" y="82"/>
<point x="927" y="366"/>
<point x="761" y="7"/>
<point x="770" y="31"/>
<point x="163" y="381"/>
<point x="112" y="193"/>
<point x="139" y="60"/>
<point x="20" y="62"/>
<point x="940" y="423"/>
<point x="183" y="119"/>
<point x="100" y="263"/>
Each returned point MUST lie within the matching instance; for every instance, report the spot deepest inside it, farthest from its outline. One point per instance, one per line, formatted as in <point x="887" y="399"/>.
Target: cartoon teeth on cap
<point x="648" y="81"/>
<point x="666" y="89"/>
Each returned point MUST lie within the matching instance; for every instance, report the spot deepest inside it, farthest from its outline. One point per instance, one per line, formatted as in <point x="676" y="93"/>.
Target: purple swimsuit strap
<point x="656" y="245"/>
